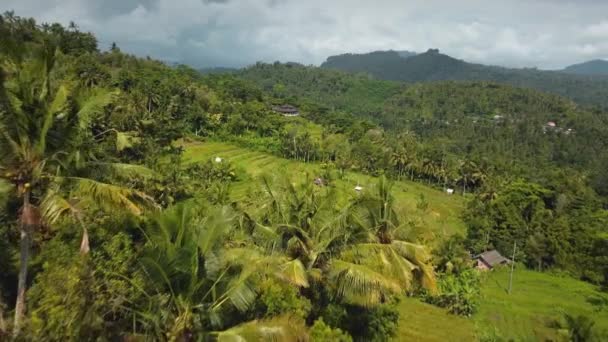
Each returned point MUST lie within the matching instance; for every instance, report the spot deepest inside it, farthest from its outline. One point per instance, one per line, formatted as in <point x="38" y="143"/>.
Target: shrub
<point x="376" y="324"/>
<point x="321" y="332"/>
<point x="459" y="293"/>
<point x="278" y="298"/>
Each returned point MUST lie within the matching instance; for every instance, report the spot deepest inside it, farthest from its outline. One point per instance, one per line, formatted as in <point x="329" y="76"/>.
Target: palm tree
<point x="386" y="251"/>
<point x="307" y="225"/>
<point x="399" y="160"/>
<point x="471" y="174"/>
<point x="40" y="127"/>
<point x="196" y="274"/>
<point x="429" y="169"/>
<point x="298" y="220"/>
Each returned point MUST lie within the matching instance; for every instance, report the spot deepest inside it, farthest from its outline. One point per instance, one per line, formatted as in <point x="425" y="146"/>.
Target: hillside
<point x="534" y="309"/>
<point x="434" y="66"/>
<point x="442" y="217"/>
<point x="309" y="85"/>
<point x="451" y="114"/>
<point x="594" y="67"/>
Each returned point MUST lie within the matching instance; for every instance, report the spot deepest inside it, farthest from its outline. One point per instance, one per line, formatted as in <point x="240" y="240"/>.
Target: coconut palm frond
<point x="111" y="196"/>
<point x="240" y="293"/>
<point x="267" y="233"/>
<point x="123" y="170"/>
<point x="278" y="329"/>
<point x="383" y="259"/>
<point x="293" y="272"/>
<point x="214" y="228"/>
<point x="9" y="145"/>
<point x="125" y="140"/>
<point x="53" y="207"/>
<point x="5" y="189"/>
<point x="93" y="105"/>
<point x="58" y="104"/>
<point x="254" y="262"/>
<point x="359" y="284"/>
<point x="411" y="251"/>
<point x="157" y="272"/>
<point x="419" y="256"/>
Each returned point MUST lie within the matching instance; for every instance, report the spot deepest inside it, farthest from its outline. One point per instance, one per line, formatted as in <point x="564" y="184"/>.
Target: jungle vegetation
<point x="107" y="234"/>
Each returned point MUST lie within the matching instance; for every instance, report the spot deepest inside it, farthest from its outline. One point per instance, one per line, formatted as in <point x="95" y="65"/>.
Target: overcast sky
<point x="543" y="33"/>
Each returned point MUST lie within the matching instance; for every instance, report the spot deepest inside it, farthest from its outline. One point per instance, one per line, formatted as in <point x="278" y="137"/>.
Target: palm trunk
<point x="2" y="322"/>
<point x="25" y="224"/>
<point x="84" y="243"/>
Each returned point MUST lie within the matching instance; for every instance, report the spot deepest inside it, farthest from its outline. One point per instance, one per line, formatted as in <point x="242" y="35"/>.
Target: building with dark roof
<point x="286" y="110"/>
<point x="490" y="259"/>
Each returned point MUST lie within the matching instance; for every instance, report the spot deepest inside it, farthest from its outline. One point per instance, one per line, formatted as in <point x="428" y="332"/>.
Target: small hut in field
<point x="490" y="259"/>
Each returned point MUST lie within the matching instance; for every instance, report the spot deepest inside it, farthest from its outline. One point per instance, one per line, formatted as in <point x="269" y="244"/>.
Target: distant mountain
<point x="594" y="67"/>
<point x="406" y="54"/>
<point x="435" y="66"/>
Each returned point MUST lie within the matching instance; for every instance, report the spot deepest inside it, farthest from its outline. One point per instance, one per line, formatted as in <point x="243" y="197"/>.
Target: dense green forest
<point x="585" y="88"/>
<point x="108" y="232"/>
<point x="594" y="67"/>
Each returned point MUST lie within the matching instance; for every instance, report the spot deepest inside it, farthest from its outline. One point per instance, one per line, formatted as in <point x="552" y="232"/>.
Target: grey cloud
<point x="102" y="9"/>
<point x="215" y="1"/>
<point x="543" y="33"/>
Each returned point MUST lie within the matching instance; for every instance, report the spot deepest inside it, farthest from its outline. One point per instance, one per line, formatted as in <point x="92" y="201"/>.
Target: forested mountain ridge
<point x="433" y="66"/>
<point x="594" y="67"/>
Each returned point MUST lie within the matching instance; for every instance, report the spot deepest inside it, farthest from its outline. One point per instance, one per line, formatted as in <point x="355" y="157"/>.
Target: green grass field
<point x="420" y="321"/>
<point x="441" y="218"/>
<point x="536" y="301"/>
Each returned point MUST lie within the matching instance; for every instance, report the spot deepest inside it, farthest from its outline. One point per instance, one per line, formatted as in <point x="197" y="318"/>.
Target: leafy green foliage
<point x="551" y="228"/>
<point x="459" y="293"/>
<point x="83" y="297"/>
<point x="92" y="147"/>
<point x="378" y="324"/>
<point x="277" y="298"/>
<point x="321" y="332"/>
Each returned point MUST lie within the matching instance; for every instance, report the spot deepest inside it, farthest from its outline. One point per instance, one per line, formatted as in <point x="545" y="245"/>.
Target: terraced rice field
<point x="441" y="217"/>
<point x="536" y="302"/>
<point x="420" y="321"/>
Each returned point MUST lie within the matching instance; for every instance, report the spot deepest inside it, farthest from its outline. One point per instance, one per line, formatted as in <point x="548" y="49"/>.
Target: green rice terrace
<point x="442" y="216"/>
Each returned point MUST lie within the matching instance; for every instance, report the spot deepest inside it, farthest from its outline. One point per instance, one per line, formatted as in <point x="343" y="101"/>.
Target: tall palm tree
<point x="400" y="160"/>
<point x="346" y="257"/>
<point x="429" y="169"/>
<point x="302" y="222"/>
<point x="470" y="174"/>
<point x="41" y="125"/>
<point x="196" y="274"/>
<point x="386" y="251"/>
